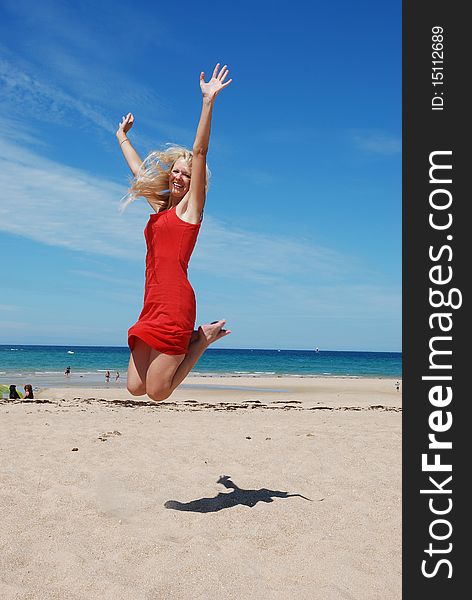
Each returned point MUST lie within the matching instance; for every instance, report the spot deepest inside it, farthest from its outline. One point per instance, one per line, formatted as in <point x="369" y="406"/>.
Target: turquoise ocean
<point x="44" y="366"/>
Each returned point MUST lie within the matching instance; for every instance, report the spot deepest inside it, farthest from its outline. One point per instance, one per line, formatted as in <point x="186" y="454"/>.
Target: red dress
<point x="168" y="317"/>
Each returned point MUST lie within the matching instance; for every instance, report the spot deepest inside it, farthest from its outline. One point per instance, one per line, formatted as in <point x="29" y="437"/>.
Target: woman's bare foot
<point x="212" y="332"/>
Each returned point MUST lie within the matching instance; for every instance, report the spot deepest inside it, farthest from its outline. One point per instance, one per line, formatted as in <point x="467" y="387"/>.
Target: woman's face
<point x="179" y="179"/>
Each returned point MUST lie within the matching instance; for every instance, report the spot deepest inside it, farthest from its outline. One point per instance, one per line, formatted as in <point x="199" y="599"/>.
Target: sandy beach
<point x="234" y="488"/>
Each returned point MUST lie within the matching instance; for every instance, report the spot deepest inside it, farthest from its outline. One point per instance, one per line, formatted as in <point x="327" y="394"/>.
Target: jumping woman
<point x="164" y="346"/>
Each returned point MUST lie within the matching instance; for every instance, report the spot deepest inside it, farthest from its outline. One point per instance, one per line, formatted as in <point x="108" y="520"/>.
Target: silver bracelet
<point x="126" y="140"/>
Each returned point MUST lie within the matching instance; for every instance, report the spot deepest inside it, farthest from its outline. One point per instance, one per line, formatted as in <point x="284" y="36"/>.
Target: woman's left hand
<point x="216" y="84"/>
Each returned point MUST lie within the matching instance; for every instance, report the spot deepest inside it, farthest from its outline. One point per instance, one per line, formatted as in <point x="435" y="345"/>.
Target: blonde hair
<point x="152" y="180"/>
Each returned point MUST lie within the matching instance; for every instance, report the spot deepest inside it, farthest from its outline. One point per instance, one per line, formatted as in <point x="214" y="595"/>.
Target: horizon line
<point x="276" y="349"/>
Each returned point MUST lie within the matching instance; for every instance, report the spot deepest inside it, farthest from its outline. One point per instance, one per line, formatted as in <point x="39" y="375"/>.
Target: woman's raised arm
<point x="130" y="154"/>
<point x="210" y="90"/>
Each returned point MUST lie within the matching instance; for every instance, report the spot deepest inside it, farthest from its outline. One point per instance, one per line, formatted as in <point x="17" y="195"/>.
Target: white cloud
<point x="8" y="307"/>
<point x="377" y="142"/>
<point x="62" y="206"/>
<point x="31" y="92"/>
<point x="44" y="100"/>
<point x="66" y="64"/>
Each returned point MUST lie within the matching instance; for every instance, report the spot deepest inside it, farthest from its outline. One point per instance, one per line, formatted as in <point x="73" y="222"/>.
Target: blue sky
<point x="301" y="243"/>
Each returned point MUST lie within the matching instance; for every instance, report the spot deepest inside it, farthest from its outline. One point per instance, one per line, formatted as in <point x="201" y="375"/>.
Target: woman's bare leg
<point x="137" y="368"/>
<point x="160" y="373"/>
<point x="166" y="372"/>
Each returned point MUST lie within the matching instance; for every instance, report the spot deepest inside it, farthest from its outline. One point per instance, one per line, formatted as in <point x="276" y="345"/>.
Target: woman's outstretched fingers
<point x="224" y="71"/>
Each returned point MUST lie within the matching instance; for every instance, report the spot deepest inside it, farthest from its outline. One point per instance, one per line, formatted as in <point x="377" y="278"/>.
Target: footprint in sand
<point x="104" y="436"/>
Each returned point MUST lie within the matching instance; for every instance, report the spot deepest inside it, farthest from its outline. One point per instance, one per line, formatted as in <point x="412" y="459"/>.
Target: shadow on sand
<point x="237" y="496"/>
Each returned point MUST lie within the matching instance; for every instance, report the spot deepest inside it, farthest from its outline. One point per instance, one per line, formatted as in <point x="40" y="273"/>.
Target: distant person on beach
<point x="107" y="376"/>
<point x="164" y="346"/>
<point x="28" y="395"/>
<point x="14" y="395"/>
<point x="117" y="376"/>
<point x="67" y="371"/>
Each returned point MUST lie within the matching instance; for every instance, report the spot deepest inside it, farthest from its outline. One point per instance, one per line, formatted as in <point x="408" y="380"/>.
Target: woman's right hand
<point x="125" y="125"/>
